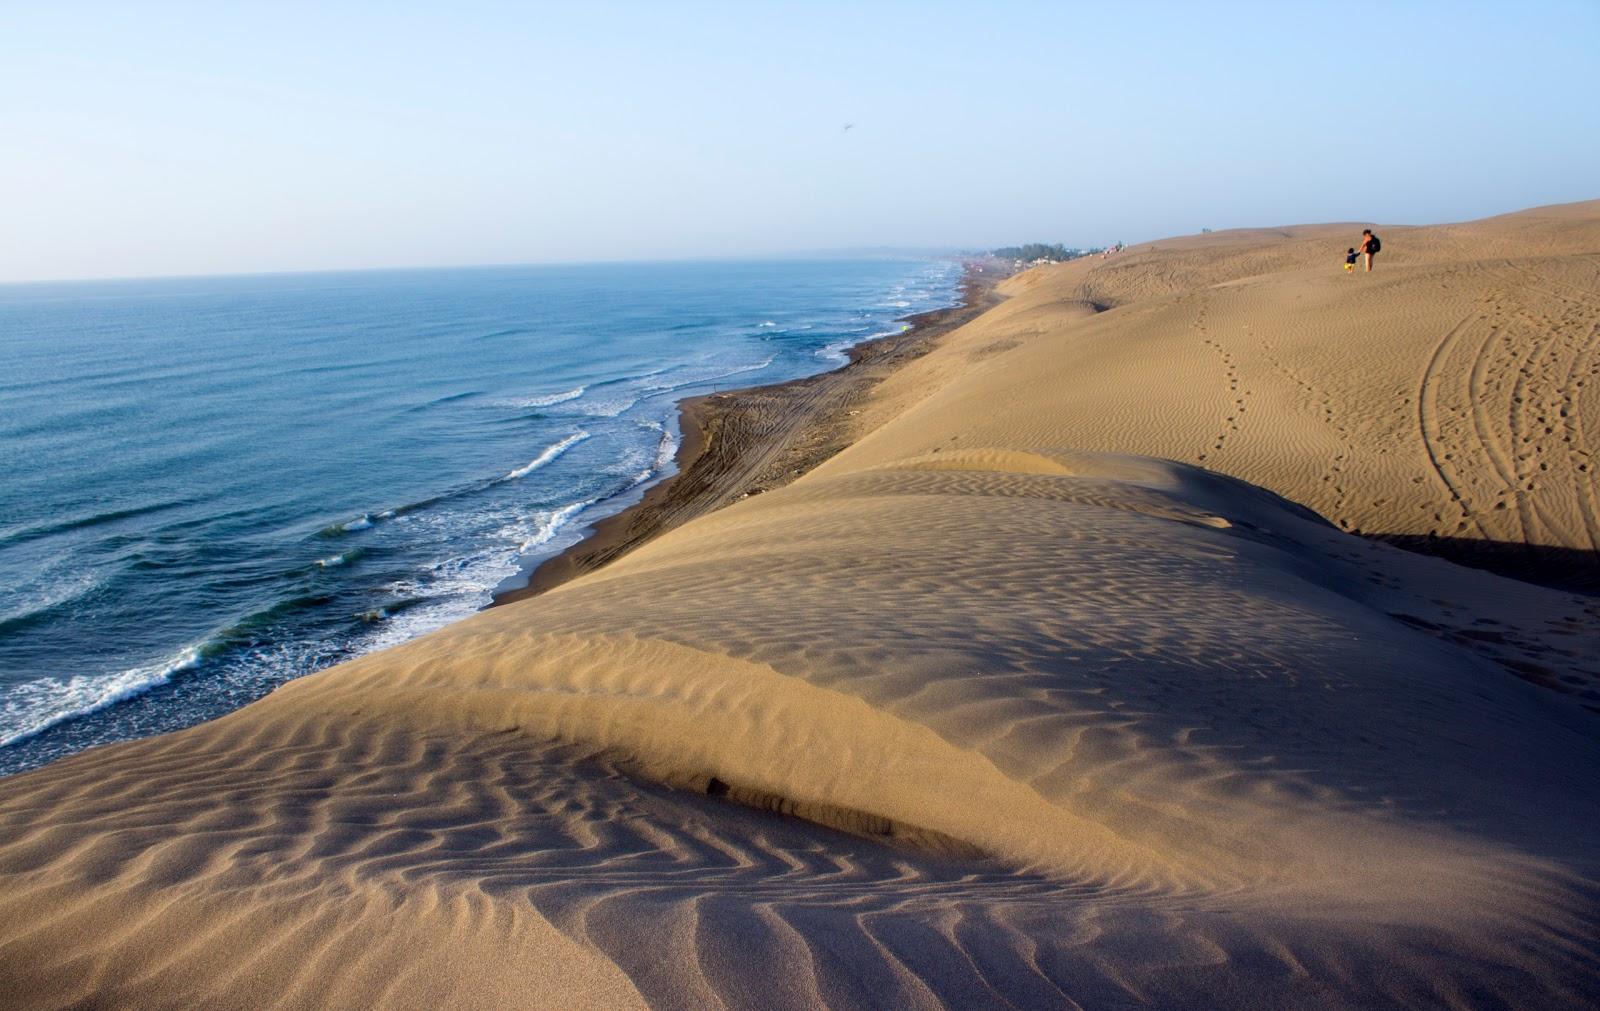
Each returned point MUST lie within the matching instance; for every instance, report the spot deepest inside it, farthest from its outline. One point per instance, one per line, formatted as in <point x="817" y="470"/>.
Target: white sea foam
<point x="838" y="351"/>
<point x="550" y="454"/>
<point x="697" y="377"/>
<point x="30" y="709"/>
<point x="666" y="447"/>
<point x="42" y="591"/>
<point x="548" y="399"/>
<point x="455" y="588"/>
<point x="609" y="408"/>
<point x="445" y="592"/>
<point x="439" y="602"/>
<point x="551" y="524"/>
<point x="667" y="381"/>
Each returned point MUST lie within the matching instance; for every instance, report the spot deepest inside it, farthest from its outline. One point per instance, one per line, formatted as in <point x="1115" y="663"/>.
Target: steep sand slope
<point x="1089" y="729"/>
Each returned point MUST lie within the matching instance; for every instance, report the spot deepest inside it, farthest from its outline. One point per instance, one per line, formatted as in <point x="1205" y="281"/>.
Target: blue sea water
<point x="210" y="486"/>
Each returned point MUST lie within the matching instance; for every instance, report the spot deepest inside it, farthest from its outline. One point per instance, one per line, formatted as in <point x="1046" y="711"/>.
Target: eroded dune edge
<point x="1064" y="686"/>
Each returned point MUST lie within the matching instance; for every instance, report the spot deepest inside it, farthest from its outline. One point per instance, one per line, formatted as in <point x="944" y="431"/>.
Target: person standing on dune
<point x="1369" y="245"/>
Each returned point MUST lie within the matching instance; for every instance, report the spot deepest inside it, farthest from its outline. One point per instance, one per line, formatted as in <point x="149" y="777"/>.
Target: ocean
<point x="211" y="486"/>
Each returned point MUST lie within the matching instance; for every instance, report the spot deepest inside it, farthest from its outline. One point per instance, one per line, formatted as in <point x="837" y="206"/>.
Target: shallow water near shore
<point x="214" y="485"/>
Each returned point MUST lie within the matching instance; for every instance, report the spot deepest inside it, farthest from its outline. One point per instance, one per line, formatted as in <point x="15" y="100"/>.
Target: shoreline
<point x="776" y="424"/>
<point x="742" y="442"/>
<point x="1073" y="645"/>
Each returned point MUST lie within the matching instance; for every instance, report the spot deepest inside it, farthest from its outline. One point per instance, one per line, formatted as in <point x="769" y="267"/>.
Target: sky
<point x="150" y="139"/>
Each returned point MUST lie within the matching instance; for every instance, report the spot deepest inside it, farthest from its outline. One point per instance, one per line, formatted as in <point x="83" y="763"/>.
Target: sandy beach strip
<point x="1067" y="682"/>
<point x="738" y="443"/>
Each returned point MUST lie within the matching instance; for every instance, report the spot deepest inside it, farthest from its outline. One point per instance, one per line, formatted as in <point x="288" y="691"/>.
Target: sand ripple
<point x="982" y="712"/>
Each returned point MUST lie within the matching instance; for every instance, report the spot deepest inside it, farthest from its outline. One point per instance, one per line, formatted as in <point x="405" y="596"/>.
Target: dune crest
<point x="1062" y="687"/>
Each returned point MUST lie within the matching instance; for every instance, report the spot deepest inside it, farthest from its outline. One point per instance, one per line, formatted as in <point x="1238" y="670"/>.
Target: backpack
<point x="1373" y="245"/>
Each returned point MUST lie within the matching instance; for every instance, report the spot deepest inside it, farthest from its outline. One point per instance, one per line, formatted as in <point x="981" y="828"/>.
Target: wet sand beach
<point x="738" y="443"/>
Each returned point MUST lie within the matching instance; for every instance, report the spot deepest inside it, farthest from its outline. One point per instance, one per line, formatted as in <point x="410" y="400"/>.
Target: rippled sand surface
<point x="1065" y="686"/>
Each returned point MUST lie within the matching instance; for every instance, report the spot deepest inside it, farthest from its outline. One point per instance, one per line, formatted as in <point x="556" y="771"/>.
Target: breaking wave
<point x="550" y="454"/>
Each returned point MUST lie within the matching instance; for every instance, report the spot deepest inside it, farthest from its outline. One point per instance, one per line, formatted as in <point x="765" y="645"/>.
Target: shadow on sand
<point x="1570" y="569"/>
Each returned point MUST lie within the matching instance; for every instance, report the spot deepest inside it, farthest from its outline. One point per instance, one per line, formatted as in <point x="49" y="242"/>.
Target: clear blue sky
<point x="147" y="139"/>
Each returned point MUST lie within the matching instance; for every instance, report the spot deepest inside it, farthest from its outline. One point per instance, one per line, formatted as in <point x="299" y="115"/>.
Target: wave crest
<point x="550" y="454"/>
<point x="32" y="708"/>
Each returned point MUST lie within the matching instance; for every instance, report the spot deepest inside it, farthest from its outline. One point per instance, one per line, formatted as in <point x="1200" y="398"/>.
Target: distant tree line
<point x="1039" y="251"/>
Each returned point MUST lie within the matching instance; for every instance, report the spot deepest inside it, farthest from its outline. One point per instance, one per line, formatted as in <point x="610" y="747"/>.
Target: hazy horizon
<point x="864" y="253"/>
<point x="179" y="140"/>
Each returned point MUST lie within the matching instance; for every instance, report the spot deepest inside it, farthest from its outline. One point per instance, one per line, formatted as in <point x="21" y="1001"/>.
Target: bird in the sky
<point x="848" y="126"/>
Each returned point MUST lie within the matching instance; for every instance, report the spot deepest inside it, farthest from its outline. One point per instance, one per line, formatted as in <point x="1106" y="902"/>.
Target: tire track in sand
<point x="1502" y="459"/>
<point x="1429" y="425"/>
<point x="1544" y="411"/>
<point x="1578" y="326"/>
<point x="1585" y="368"/>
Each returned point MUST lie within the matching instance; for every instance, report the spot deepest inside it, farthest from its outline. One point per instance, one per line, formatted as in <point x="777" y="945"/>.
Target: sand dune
<point x="1039" y="695"/>
<point x="1442" y="397"/>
